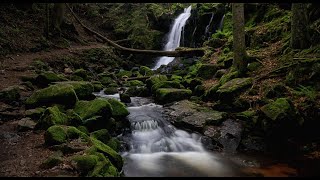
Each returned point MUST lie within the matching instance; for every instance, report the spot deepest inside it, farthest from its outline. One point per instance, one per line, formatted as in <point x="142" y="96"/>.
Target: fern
<point x="306" y="91"/>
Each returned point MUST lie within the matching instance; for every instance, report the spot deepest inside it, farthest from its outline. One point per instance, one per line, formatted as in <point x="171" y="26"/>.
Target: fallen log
<point x="179" y="52"/>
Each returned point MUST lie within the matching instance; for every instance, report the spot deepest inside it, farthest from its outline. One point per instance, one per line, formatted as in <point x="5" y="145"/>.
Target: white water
<point x="221" y="23"/>
<point x="157" y="148"/>
<point x="207" y="32"/>
<point x="174" y="37"/>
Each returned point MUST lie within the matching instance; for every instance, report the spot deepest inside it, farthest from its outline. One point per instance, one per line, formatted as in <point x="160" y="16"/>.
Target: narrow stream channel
<point x="158" y="149"/>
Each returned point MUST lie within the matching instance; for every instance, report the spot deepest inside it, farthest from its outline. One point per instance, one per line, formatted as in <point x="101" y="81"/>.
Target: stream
<point x="158" y="149"/>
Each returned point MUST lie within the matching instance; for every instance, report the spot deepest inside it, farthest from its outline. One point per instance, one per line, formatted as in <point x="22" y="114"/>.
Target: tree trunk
<point x="47" y="21"/>
<point x="299" y="26"/>
<point x="58" y="16"/>
<point x="239" y="47"/>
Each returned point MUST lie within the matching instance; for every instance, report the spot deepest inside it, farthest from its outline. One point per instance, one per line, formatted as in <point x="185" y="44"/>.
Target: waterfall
<point x="221" y="23"/>
<point x="207" y="32"/>
<point x="174" y="37"/>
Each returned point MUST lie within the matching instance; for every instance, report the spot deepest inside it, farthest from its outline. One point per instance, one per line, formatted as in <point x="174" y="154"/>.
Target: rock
<point x="155" y="79"/>
<point x="124" y="97"/>
<point x="122" y="73"/>
<point x="119" y="109"/>
<point x="82" y="73"/>
<point x="220" y="73"/>
<point x="52" y="116"/>
<point x="26" y="124"/>
<point x="176" y="78"/>
<point x="97" y="107"/>
<point x="134" y="83"/>
<point x="83" y="89"/>
<point x="110" y="90"/>
<point x="54" y="94"/>
<point x="141" y="91"/>
<point x="145" y="71"/>
<point x="102" y="135"/>
<point x="277" y="110"/>
<point x="53" y="160"/>
<point x="166" y="84"/>
<point x="73" y="118"/>
<point x="85" y="163"/>
<point x="191" y="83"/>
<point x="227" y="77"/>
<point x="97" y="86"/>
<point x="207" y="71"/>
<point x="114" y="143"/>
<point x="68" y="71"/>
<point x="167" y="95"/>
<point x="234" y="86"/>
<point x="247" y="115"/>
<point x="276" y="91"/>
<point x="35" y="113"/>
<point x="106" y="80"/>
<point x="55" y="135"/>
<point x="10" y="94"/>
<point x="45" y="78"/>
<point x="211" y="92"/>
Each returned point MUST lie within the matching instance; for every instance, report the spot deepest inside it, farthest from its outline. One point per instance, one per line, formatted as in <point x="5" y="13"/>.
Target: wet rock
<point x="97" y="107"/>
<point x="134" y="83"/>
<point x="166" y="84"/>
<point x="167" y="95"/>
<point x="83" y="89"/>
<point x="124" y="97"/>
<point x="51" y="116"/>
<point x="207" y="71"/>
<point x="45" y="78"/>
<point x="26" y="124"/>
<point x="10" y="94"/>
<point x="110" y="90"/>
<point x="145" y="71"/>
<point x="155" y="79"/>
<point x="119" y="109"/>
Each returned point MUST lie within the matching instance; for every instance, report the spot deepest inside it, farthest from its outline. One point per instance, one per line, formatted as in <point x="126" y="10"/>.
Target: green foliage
<point x="307" y="91"/>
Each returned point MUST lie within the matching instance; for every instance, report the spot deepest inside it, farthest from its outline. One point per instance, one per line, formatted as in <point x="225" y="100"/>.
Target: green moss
<point x="85" y="163"/>
<point x="145" y="71"/>
<point x="102" y="135"/>
<point x="35" y="113"/>
<point x="166" y="84"/>
<point x="81" y="73"/>
<point x="106" y="80"/>
<point x="74" y="133"/>
<point x="247" y="115"/>
<point x="55" y="135"/>
<point x="278" y="109"/>
<point x="73" y="118"/>
<point x="118" y="108"/>
<point x="54" y="94"/>
<point x="10" y="94"/>
<point x="124" y="73"/>
<point x="234" y="85"/>
<point x="138" y="91"/>
<point x="134" y="83"/>
<point x="167" y="95"/>
<point x="110" y="90"/>
<point x="48" y="77"/>
<point x="97" y="86"/>
<point x="52" y="116"/>
<point x="114" y="143"/>
<point x="155" y="79"/>
<point x="96" y="107"/>
<point x="207" y="71"/>
<point x="53" y="160"/>
<point x="83" y="89"/>
<point x="176" y="78"/>
<point x="227" y="77"/>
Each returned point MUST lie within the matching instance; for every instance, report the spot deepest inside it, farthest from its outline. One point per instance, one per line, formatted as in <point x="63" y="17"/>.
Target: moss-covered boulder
<point x="54" y="94"/>
<point x="82" y="73"/>
<point x="279" y="109"/>
<point x="228" y="76"/>
<point x="123" y="73"/>
<point x="103" y="168"/>
<point x="45" y="78"/>
<point x="275" y="91"/>
<point x="110" y="90"/>
<point x="167" y="95"/>
<point x="85" y="163"/>
<point x="97" y="86"/>
<point x="114" y="157"/>
<point x="97" y="107"/>
<point x="106" y="80"/>
<point x="124" y="97"/>
<point x="234" y="86"/>
<point x="10" y="94"/>
<point x="211" y="92"/>
<point x="35" y="113"/>
<point x="191" y="83"/>
<point x="73" y="118"/>
<point x="114" y="143"/>
<point x="52" y="116"/>
<point x="83" y="89"/>
<point x="141" y="91"/>
<point x="55" y="135"/>
<point x="134" y="83"/>
<point x="166" y="84"/>
<point x="207" y="71"/>
<point x="118" y="108"/>
<point x="145" y="71"/>
<point x="102" y="135"/>
<point x="248" y="115"/>
<point x="155" y="79"/>
<point x="53" y="160"/>
<point x="176" y="78"/>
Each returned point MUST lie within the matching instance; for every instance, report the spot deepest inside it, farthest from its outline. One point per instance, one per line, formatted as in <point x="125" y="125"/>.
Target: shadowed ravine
<point x="157" y="148"/>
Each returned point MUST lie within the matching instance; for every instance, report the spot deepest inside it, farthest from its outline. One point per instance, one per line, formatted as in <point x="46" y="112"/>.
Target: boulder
<point x="145" y="71"/>
<point x="279" y="109"/>
<point x="55" y="135"/>
<point x="110" y="90"/>
<point x="97" y="107"/>
<point x="207" y="71"/>
<point x="83" y="89"/>
<point x="234" y="86"/>
<point x="45" y="78"/>
<point x="52" y="116"/>
<point x="35" y="113"/>
<point x="141" y="91"/>
<point x="155" y="79"/>
<point x="167" y="95"/>
<point x="102" y="135"/>
<point x="26" y="124"/>
<point x="81" y="73"/>
<point x="124" y="97"/>
<point x="54" y="94"/>
<point x="134" y="83"/>
<point x="10" y="94"/>
<point x="166" y="84"/>
<point x="118" y="108"/>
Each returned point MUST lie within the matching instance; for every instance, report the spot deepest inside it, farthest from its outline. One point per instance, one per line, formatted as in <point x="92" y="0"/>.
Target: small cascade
<point x="207" y="32"/>
<point x="221" y="23"/>
<point x="174" y="37"/>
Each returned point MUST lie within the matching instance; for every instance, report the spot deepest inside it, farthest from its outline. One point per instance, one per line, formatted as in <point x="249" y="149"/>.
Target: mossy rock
<point x="45" y="78"/>
<point x="83" y="129"/>
<point x="74" y="133"/>
<point x="97" y="86"/>
<point x="227" y="77"/>
<point x="207" y="71"/>
<point x="82" y="73"/>
<point x="83" y="89"/>
<point x="279" y="109"/>
<point x="55" y="135"/>
<point x="167" y="95"/>
<point x="97" y="107"/>
<point x="76" y="78"/>
<point x="191" y="83"/>
<point x="234" y="86"/>
<point x="110" y="90"/>
<point x="52" y="116"/>
<point x="114" y="157"/>
<point x="85" y="163"/>
<point x="166" y="84"/>
<point x="73" y="118"/>
<point x="216" y="117"/>
<point x="54" y="94"/>
<point x="145" y="71"/>
<point x="275" y="91"/>
<point x="119" y="109"/>
<point x="155" y="79"/>
<point x="114" y="143"/>
<point x="199" y="90"/>
<point x="134" y="83"/>
<point x="248" y="115"/>
<point x="10" y="94"/>
<point x="124" y="97"/>
<point x="123" y="73"/>
<point x="176" y="78"/>
<point x="35" y="113"/>
<point x="141" y="91"/>
<point x="211" y="93"/>
<point x="105" y="80"/>
<point x="53" y="160"/>
<point x="102" y="135"/>
<point x="220" y="73"/>
<point x="104" y="167"/>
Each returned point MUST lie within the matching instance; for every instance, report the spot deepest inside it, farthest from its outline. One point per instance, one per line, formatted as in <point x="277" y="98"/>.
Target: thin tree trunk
<point x="239" y="47"/>
<point x="299" y="26"/>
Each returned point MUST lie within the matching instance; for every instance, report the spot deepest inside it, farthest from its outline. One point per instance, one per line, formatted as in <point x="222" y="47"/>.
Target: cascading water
<point x="207" y="32"/>
<point x="221" y="23"/>
<point x="157" y="148"/>
<point x="174" y="37"/>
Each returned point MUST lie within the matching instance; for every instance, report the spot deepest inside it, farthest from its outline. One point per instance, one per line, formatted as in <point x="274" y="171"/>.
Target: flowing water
<point x="174" y="37"/>
<point x="221" y="23"/>
<point x="207" y="32"/>
<point x="157" y="148"/>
